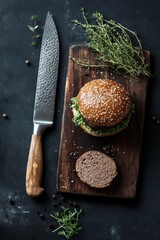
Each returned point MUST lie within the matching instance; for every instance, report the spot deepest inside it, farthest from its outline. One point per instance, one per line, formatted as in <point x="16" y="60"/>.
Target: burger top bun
<point x="104" y="102"/>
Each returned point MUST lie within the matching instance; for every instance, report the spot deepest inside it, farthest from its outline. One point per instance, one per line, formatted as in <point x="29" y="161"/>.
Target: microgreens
<point x="33" y="27"/>
<point x="68" y="221"/>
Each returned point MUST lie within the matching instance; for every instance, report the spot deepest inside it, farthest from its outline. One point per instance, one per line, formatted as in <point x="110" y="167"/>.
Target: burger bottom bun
<point x="103" y="134"/>
<point x="96" y="169"/>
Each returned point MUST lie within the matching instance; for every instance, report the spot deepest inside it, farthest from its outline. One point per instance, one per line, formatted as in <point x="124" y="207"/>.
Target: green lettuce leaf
<point x="79" y="120"/>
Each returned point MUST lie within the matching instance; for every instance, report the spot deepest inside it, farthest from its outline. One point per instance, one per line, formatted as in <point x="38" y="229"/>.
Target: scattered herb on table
<point x="118" y="48"/>
<point x="33" y="27"/>
<point x="68" y="221"/>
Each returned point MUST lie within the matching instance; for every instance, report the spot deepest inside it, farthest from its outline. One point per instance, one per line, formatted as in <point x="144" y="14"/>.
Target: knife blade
<point x="44" y="104"/>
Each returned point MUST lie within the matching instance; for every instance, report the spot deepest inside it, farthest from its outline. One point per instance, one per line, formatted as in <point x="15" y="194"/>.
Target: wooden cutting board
<point x="124" y="148"/>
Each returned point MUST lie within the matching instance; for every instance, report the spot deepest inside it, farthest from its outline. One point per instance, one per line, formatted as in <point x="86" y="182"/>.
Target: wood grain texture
<point x="125" y="147"/>
<point x="34" y="167"/>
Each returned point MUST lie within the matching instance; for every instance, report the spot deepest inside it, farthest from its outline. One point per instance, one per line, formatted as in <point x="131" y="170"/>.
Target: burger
<point x="102" y="107"/>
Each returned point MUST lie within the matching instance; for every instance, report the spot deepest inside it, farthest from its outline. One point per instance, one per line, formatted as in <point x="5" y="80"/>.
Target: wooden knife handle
<point x="34" y="167"/>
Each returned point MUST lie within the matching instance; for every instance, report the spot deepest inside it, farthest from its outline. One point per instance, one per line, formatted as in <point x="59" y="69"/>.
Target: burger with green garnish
<point x="102" y="107"/>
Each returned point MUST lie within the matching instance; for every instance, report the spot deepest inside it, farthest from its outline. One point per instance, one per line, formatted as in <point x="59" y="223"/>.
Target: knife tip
<point x="49" y="14"/>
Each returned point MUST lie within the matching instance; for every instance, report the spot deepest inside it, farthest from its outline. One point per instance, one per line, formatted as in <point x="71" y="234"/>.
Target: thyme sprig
<point x="68" y="221"/>
<point x="33" y="27"/>
<point x="117" y="47"/>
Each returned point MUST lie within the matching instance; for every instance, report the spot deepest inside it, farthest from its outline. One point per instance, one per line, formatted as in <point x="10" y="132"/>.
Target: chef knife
<point x="44" y="104"/>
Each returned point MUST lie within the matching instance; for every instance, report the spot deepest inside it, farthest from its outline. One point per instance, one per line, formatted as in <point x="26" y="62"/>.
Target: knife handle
<point x="34" y="167"/>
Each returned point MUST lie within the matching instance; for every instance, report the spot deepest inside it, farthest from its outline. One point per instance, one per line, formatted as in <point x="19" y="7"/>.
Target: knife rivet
<point x="35" y="165"/>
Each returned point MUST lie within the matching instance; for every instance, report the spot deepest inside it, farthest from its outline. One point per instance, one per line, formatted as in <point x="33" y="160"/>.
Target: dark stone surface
<point x="103" y="218"/>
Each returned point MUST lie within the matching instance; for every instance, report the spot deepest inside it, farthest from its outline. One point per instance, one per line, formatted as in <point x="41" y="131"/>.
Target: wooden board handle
<point x="34" y="167"/>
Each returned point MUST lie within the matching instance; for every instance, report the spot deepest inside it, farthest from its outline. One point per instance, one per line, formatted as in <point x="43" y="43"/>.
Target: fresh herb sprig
<point x="114" y="45"/>
<point x="68" y="221"/>
<point x="33" y="27"/>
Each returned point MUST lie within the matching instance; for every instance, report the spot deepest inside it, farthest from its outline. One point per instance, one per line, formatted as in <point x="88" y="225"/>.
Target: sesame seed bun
<point x="103" y="102"/>
<point x="102" y="108"/>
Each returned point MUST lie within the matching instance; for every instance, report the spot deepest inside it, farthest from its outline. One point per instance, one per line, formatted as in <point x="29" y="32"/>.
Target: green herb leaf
<point x="34" y="17"/>
<point x="33" y="44"/>
<point x="113" y="43"/>
<point x="61" y="233"/>
<point x="68" y="221"/>
<point x="37" y="35"/>
<point x="79" y="120"/>
<point x="34" y="28"/>
<point x="30" y="28"/>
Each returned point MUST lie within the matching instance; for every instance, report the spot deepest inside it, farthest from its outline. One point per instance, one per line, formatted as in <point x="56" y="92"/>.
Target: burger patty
<point x="94" y="126"/>
<point x="78" y="119"/>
